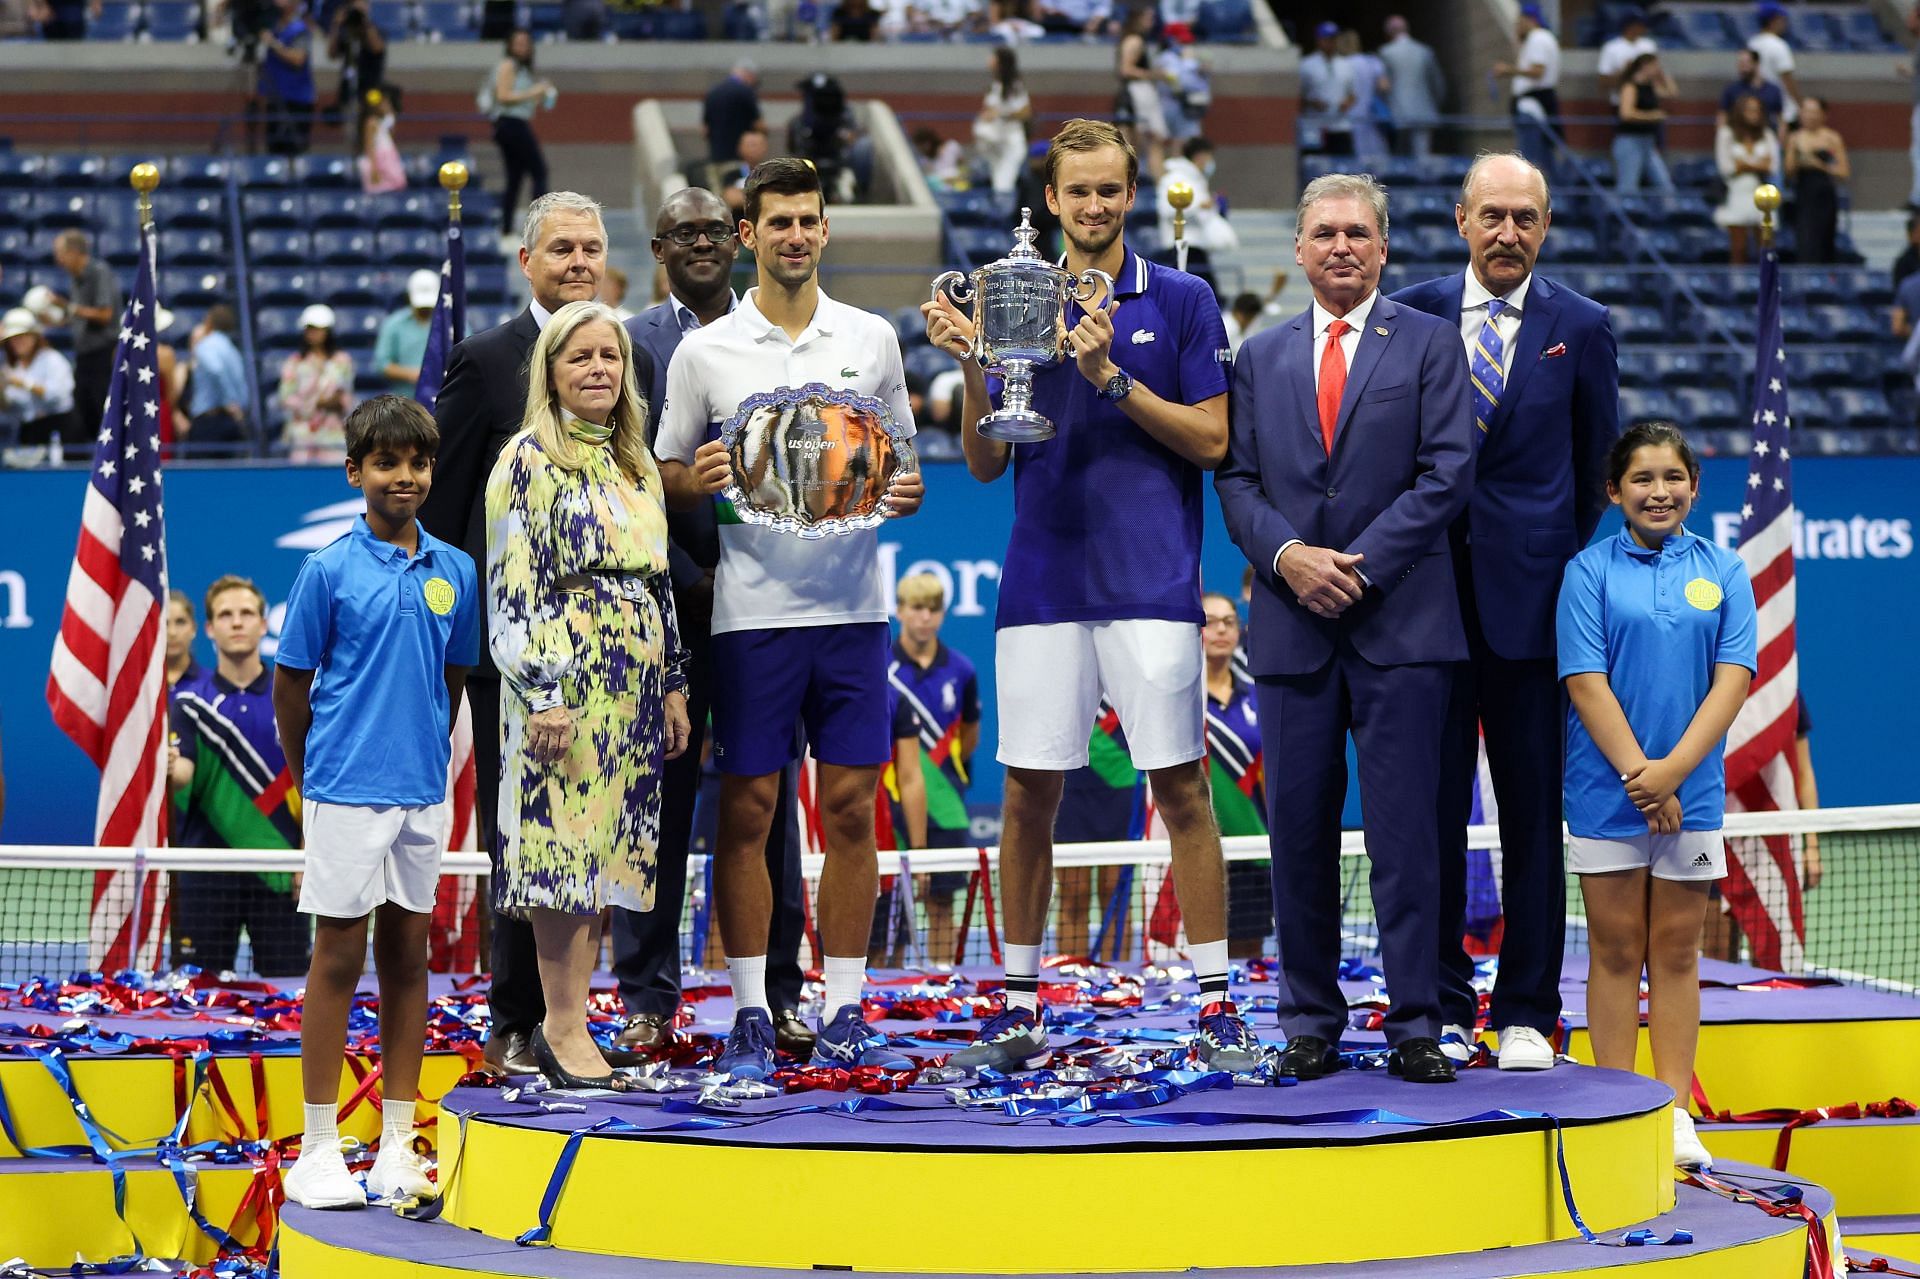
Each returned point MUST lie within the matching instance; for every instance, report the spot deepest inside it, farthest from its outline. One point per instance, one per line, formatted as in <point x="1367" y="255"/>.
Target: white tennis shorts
<point x="1687" y="854"/>
<point x="1050" y="678"/>
<point x="359" y="857"/>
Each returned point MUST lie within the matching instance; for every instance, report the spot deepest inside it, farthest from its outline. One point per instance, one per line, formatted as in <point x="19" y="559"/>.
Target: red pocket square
<point x="1557" y="349"/>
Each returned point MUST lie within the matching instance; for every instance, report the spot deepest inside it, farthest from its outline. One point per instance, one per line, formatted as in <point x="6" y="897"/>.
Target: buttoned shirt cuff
<point x="1282" y="551"/>
<point x="544" y="697"/>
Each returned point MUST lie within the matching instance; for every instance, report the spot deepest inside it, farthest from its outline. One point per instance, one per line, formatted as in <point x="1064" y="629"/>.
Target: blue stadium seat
<point x="451" y="20"/>
<point x="1649" y="240"/>
<point x="358" y="286"/>
<point x="1797" y="326"/>
<point x="276" y="328"/>
<point x="357" y="326"/>
<point x="1846" y="323"/>
<point x="1866" y="287"/>
<point x="415" y="248"/>
<point x="189" y="211"/>
<point x="1639" y="324"/>
<point x="1445" y="170"/>
<point x="393" y="17"/>
<point x="120" y="245"/>
<point x="279" y="247"/>
<point x="1862" y="31"/>
<point x="113" y="22"/>
<point x="343" y="209"/>
<point x="197" y="171"/>
<point x="1860" y="409"/>
<point x="1739" y="320"/>
<point x="408" y="209"/>
<point x="193" y="286"/>
<point x="1710" y="408"/>
<point x="172" y="19"/>
<point x="1395" y="170"/>
<point x="639" y="24"/>
<point x="1611" y="287"/>
<point x="1226" y="22"/>
<point x="256" y="171"/>
<point x="927" y="362"/>
<point x="1638" y="405"/>
<point x="674" y="24"/>
<point x="57" y="210"/>
<point x="284" y="286"/>
<point x="1571" y="244"/>
<point x="977" y="246"/>
<point x="1424" y="207"/>
<point x="16" y="208"/>
<point x="1693" y="171"/>
<point x="1676" y="368"/>
<point x="1826" y="367"/>
<point x="1813" y="31"/>
<point x="1810" y="408"/>
<point x="342" y="248"/>
<point x="1637" y="367"/>
<point x="337" y="171"/>
<point x="16" y="245"/>
<point x="1739" y="285"/>
<point x="481" y="318"/>
<point x="265" y="210"/>
<point x="20" y="170"/>
<point x="487" y="284"/>
<point x="195" y="248"/>
<point x="979" y="207"/>
<point x="267" y="367"/>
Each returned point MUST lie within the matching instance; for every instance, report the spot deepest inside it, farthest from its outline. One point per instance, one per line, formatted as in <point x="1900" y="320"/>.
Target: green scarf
<point x="586" y="432"/>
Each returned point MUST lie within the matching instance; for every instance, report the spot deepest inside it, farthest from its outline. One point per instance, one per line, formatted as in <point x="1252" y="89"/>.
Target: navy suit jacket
<point x="1400" y="471"/>
<point x="693" y="536"/>
<point x="1540" y="478"/>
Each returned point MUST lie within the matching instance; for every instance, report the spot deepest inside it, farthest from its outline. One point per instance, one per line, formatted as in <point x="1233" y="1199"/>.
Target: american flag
<point x="449" y="323"/>
<point x="1763" y="874"/>
<point x="107" y="686"/>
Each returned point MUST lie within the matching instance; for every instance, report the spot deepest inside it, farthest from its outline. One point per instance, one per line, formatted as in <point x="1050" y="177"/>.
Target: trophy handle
<point x="956" y="284"/>
<point x="1090" y="281"/>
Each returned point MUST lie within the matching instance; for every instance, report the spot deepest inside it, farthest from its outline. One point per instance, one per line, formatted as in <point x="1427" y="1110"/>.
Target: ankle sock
<point x="396" y="1124"/>
<point x="322" y="1127"/>
<point x="1023" y="977"/>
<point x="749" y="975"/>
<point x="845" y="975"/>
<point x="1209" y="960"/>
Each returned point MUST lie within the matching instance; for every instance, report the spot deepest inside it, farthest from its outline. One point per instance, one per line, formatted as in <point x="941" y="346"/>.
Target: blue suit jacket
<point x="1540" y="478"/>
<point x="693" y="536"/>
<point x="1400" y="471"/>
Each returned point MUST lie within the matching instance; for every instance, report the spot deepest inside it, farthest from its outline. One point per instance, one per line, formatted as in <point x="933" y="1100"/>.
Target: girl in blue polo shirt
<point x="1656" y="636"/>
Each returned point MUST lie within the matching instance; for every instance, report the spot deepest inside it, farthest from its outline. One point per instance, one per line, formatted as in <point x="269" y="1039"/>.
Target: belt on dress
<point x="622" y="582"/>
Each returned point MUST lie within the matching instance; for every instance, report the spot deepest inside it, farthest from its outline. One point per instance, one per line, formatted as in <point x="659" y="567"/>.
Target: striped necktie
<point x="1485" y="368"/>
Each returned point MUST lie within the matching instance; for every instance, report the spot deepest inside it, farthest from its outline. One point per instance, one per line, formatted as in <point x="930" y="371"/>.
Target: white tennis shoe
<point x="1524" y="1048"/>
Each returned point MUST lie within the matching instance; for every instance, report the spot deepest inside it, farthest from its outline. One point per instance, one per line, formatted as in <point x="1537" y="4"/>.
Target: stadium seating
<point x="1830" y="28"/>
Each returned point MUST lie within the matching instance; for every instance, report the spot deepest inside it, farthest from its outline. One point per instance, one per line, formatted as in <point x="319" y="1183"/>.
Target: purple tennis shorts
<point x="833" y="679"/>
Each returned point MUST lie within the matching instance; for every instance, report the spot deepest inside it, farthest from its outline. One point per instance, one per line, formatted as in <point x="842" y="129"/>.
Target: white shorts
<point x="1050" y="678"/>
<point x="359" y="857"/>
<point x="1687" y="854"/>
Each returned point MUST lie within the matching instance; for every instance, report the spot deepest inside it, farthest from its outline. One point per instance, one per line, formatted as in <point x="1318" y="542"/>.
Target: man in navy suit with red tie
<point x="1348" y="458"/>
<point x="1546" y="390"/>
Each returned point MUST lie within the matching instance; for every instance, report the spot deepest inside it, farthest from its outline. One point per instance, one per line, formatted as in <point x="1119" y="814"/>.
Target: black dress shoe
<point x="1308" y="1057"/>
<point x="792" y="1035"/>
<point x="1420" y="1061"/>
<point x="509" y="1053"/>
<point x="560" y="1077"/>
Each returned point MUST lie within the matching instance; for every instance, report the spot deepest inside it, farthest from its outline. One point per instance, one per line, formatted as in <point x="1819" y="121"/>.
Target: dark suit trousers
<point x="1520" y="707"/>
<point x="516" y="999"/>
<point x="1396" y="715"/>
<point x="646" y="944"/>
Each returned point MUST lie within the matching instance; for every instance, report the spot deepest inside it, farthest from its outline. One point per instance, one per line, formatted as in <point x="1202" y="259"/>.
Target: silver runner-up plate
<point x="812" y="460"/>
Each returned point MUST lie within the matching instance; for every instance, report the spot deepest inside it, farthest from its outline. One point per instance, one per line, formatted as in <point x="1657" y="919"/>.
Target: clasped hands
<point x="1324" y="581"/>
<point x="713" y="472"/>
<point x="1651" y="786"/>
<point x="550" y="732"/>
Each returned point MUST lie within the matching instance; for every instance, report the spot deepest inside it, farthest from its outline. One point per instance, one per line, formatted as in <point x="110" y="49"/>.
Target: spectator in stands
<point x="402" y="343"/>
<point x="1816" y="164"/>
<point x="516" y="96"/>
<point x="1773" y="58"/>
<point x="37" y="384"/>
<point x="1747" y="80"/>
<point x="1326" y="92"/>
<point x="1747" y="153"/>
<point x="1031" y="193"/>
<point x="732" y="107"/>
<point x="1535" y="87"/>
<point x="180" y="632"/>
<point x="217" y="390"/>
<point x="1636" y="134"/>
<point x="1078" y="17"/>
<point x="18" y="18"/>
<point x="826" y="133"/>
<point x="379" y="160"/>
<point x="1000" y="130"/>
<point x="316" y="390"/>
<point x="93" y="314"/>
<point x="1186" y="86"/>
<point x="584" y="19"/>
<point x="228" y="779"/>
<point x="285" y="83"/>
<point x="358" y="45"/>
<point x="1368" y="77"/>
<point x="1207" y="227"/>
<point x="67" y="19"/>
<point x="1251" y="312"/>
<point x="1909" y="260"/>
<point x="1010" y="22"/>
<point x="752" y="148"/>
<point x="613" y="291"/>
<point x="943" y="161"/>
<point x="1618" y="53"/>
<point x="1415" y="89"/>
<point x="166" y="362"/>
<point x="1137" y="103"/>
<point x="854" y="22"/>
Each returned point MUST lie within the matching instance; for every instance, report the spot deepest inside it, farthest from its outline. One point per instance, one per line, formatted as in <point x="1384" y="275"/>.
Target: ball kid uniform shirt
<point x="930" y="704"/>
<point x="1107" y="520"/>
<point x="1655" y="623"/>
<point x="381" y="627"/>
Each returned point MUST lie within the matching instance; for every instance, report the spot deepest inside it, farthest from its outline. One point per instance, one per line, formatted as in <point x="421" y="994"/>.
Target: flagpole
<point x="453" y="176"/>
<point x="1766" y="198"/>
<point x="1180" y="195"/>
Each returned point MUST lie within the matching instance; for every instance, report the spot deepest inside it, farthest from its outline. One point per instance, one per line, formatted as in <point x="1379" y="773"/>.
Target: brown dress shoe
<point x="791" y="1034"/>
<point x="511" y="1053"/>
<point x="645" y="1032"/>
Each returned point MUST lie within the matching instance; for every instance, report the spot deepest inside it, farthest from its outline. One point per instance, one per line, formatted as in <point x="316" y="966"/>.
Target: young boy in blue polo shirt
<point x="381" y="628"/>
<point x="1656" y="631"/>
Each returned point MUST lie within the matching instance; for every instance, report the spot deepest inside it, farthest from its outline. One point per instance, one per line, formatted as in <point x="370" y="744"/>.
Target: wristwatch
<point x="1118" y="387"/>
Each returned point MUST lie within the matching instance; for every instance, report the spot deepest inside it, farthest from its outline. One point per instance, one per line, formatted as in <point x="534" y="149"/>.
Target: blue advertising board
<point x="1859" y="601"/>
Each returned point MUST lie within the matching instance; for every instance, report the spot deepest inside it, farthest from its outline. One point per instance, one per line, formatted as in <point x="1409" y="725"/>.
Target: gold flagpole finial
<point x="1766" y="198"/>
<point x="1180" y="196"/>
<point x="453" y="176"/>
<point x="144" y="178"/>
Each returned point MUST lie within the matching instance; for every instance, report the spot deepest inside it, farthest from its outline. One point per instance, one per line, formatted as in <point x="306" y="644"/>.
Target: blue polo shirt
<point x="380" y="627"/>
<point x="1106" y="519"/>
<point x="1655" y="623"/>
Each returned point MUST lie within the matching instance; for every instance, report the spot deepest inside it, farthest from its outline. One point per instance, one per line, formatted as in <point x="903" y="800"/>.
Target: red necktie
<point x="1333" y="382"/>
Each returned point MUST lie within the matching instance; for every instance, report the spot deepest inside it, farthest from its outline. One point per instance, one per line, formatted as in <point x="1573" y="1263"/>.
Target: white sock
<point x="322" y="1128"/>
<point x="396" y="1124"/>
<point x="844" y="976"/>
<point x="749" y="983"/>
<point x="1023" y="977"/>
<point x="1209" y="960"/>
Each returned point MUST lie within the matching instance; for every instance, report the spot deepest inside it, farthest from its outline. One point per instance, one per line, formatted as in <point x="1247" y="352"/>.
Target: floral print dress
<point x="313" y="433"/>
<point x="580" y="613"/>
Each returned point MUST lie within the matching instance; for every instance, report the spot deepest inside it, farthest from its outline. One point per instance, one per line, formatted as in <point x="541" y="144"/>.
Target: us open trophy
<point x="814" y="460"/>
<point x="1020" y="326"/>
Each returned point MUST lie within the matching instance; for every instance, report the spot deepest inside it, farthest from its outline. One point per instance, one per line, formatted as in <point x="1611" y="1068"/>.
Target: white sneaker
<point x="398" y="1173"/>
<point x="1687" y="1151"/>
<point x="320" y="1180"/>
<point x="1524" y="1048"/>
<point x="1456" y="1043"/>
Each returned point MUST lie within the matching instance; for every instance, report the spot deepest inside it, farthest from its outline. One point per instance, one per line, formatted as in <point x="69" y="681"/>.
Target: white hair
<point x="557" y="202"/>
<point x="1329" y="186"/>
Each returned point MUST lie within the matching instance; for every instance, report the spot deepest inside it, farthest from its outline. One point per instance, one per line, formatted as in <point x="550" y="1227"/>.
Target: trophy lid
<point x="1024" y="238"/>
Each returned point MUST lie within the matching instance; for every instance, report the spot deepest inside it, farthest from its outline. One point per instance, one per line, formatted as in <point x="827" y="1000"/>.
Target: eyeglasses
<point x="687" y="236"/>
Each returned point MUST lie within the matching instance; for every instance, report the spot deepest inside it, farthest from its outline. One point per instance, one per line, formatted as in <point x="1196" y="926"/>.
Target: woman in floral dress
<point x="316" y="390"/>
<point x="593" y="694"/>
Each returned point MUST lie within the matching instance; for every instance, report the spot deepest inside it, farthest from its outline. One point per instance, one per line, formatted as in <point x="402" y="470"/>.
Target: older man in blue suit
<point x="1546" y="388"/>
<point x="695" y="240"/>
<point x="1349" y="457"/>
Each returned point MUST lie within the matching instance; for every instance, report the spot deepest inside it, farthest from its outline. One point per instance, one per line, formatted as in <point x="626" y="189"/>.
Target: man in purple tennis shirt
<point x="1101" y="587"/>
